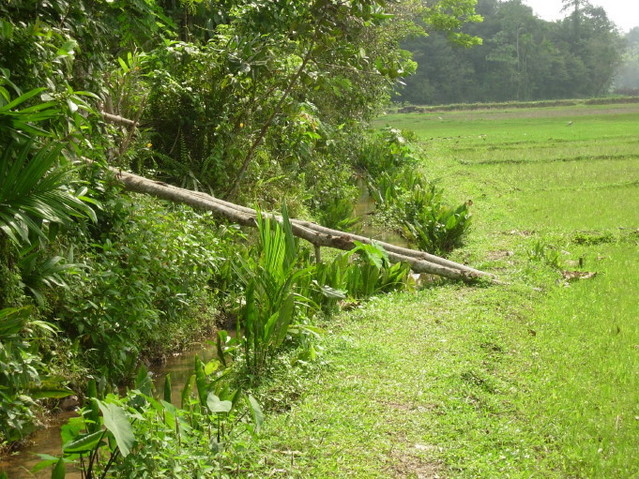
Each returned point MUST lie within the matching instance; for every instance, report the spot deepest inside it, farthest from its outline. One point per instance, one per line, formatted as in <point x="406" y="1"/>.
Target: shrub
<point x="275" y="279"/>
<point x="138" y="435"/>
<point x="22" y="376"/>
<point x="432" y="224"/>
<point x="409" y="201"/>
<point x="146" y="288"/>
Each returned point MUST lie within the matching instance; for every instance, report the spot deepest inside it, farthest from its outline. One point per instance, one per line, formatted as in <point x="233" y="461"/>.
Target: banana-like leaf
<point x="117" y="422"/>
<point x="84" y="443"/>
<point x="215" y="405"/>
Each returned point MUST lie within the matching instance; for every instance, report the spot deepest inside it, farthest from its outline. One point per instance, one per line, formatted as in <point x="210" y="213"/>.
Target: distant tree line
<point x="627" y="79"/>
<point x="521" y="57"/>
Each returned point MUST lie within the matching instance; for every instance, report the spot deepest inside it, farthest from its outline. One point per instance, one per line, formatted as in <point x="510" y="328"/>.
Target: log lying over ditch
<point x="419" y="261"/>
<point x="118" y="119"/>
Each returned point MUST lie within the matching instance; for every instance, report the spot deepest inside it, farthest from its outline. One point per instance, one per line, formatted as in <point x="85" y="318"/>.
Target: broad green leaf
<point x="59" y="470"/>
<point x="71" y="430"/>
<point x="123" y="65"/>
<point x="46" y="461"/>
<point x="116" y="421"/>
<point x="216" y="406"/>
<point x="39" y="393"/>
<point x="170" y="414"/>
<point x="22" y="98"/>
<point x="186" y="391"/>
<point x="84" y="443"/>
<point x="333" y="293"/>
<point x="143" y="381"/>
<point x="167" y="388"/>
<point x="201" y="382"/>
<point x="256" y="412"/>
<point x="92" y="413"/>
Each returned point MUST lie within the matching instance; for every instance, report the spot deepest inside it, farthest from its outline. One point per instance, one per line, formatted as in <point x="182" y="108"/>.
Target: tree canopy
<point x="221" y="86"/>
<point x="522" y="57"/>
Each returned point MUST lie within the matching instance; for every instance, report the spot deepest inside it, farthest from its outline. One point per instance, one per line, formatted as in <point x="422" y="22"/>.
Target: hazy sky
<point x="624" y="13"/>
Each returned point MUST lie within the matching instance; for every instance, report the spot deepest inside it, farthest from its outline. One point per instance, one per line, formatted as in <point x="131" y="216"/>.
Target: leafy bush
<point x="409" y="202"/>
<point x="145" y="289"/>
<point x="435" y="226"/>
<point x="359" y="273"/>
<point x="386" y="151"/>
<point x="138" y="435"/>
<point x="22" y="380"/>
<point x="275" y="279"/>
<point x="337" y="213"/>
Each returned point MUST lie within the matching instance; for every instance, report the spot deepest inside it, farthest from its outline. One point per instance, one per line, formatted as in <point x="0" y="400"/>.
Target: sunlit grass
<point x="554" y="177"/>
<point x="536" y="378"/>
<point x="584" y="372"/>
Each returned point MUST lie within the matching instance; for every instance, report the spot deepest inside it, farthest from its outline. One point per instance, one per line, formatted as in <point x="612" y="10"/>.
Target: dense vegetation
<point x="522" y="57"/>
<point x="256" y="101"/>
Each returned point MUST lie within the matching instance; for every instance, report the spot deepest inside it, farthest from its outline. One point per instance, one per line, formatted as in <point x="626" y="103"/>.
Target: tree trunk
<point x="419" y="261"/>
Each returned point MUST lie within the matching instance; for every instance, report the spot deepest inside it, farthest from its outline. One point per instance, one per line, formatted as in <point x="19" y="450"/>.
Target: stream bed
<point x="180" y="366"/>
<point x="47" y="439"/>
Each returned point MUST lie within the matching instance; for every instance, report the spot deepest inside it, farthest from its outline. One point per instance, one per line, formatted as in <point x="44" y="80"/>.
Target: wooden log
<point x="117" y="119"/>
<point x="389" y="247"/>
<point x="419" y="261"/>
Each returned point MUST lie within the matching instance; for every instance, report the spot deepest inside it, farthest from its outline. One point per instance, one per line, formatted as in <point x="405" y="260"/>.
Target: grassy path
<point x="536" y="379"/>
<point x="414" y="379"/>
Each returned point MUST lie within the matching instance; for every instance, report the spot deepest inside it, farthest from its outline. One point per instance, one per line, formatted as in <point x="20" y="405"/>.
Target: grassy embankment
<point x="539" y="378"/>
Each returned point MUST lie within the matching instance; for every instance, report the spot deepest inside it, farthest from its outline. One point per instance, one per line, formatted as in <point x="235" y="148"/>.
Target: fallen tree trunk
<point x="117" y="119"/>
<point x="419" y="261"/>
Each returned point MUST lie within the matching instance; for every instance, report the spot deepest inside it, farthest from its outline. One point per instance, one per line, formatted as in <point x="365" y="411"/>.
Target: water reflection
<point x="47" y="440"/>
<point x="364" y="209"/>
<point x="44" y="441"/>
<point x="180" y="366"/>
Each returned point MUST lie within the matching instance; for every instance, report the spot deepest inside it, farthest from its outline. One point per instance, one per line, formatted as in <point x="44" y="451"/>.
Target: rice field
<point x="537" y="377"/>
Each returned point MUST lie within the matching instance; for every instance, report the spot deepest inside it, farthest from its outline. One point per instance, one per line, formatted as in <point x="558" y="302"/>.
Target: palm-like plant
<point x="275" y="289"/>
<point x="34" y="192"/>
<point x="34" y="187"/>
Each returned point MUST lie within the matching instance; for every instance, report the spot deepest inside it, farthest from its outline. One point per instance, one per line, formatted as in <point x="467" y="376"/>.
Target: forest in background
<point x="522" y="58"/>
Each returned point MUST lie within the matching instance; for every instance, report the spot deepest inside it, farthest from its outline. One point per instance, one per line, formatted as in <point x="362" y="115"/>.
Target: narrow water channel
<point x="47" y="440"/>
<point x="364" y="209"/>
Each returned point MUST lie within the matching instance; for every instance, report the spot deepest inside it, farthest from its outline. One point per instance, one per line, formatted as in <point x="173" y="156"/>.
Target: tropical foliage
<point x="251" y="100"/>
<point x="139" y="434"/>
<point x="403" y="195"/>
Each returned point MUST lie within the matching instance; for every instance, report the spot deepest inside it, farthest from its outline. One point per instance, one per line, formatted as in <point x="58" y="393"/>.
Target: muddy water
<point x="364" y="209"/>
<point x="47" y="440"/>
<point x="44" y="441"/>
<point x="180" y="367"/>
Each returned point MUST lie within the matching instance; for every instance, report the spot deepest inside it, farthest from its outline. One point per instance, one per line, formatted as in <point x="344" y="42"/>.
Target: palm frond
<point x="34" y="190"/>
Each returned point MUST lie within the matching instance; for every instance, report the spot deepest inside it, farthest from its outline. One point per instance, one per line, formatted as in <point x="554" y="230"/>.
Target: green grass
<point x="537" y="378"/>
